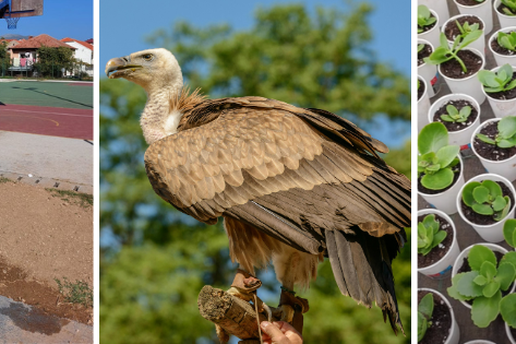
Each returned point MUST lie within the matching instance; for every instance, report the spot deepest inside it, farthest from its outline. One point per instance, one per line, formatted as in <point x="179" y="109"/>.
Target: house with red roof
<point x="83" y="50"/>
<point x="28" y="47"/>
<point x="24" y="54"/>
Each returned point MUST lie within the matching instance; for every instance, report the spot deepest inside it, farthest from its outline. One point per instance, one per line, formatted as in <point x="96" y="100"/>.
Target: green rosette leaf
<point x="507" y="127"/>
<point x="439" y="180"/>
<point x="467" y="287"/>
<point x="432" y="137"/>
<point x="485" y="309"/>
<point x="506" y="275"/>
<point x="481" y="194"/>
<point x="467" y="193"/>
<point x="480" y="254"/>
<point x="509" y="232"/>
<point x="508" y="309"/>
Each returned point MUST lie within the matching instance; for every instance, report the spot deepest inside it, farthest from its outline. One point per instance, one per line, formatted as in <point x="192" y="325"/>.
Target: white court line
<point x="47" y="112"/>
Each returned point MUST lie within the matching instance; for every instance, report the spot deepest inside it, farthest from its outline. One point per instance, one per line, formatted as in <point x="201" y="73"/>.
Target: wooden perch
<point x="234" y="315"/>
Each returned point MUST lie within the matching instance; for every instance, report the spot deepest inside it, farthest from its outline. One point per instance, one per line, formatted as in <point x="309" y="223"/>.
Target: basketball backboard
<point x="13" y="10"/>
<point x="21" y="8"/>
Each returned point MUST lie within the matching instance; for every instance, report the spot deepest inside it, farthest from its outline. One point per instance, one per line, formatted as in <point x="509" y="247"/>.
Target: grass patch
<point x="72" y="197"/>
<point x="4" y="180"/>
<point x="78" y="292"/>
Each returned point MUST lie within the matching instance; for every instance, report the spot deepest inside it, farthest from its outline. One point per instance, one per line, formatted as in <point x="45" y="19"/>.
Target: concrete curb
<point x="47" y="182"/>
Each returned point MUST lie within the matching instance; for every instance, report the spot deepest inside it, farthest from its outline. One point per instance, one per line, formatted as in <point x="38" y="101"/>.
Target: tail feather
<point x="362" y="269"/>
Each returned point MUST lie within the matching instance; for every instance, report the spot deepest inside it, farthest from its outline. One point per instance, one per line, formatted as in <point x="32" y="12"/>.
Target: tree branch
<point x="234" y="315"/>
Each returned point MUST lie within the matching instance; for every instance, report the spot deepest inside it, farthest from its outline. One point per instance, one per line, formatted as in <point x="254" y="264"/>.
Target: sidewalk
<point x="23" y="324"/>
<point x="48" y="161"/>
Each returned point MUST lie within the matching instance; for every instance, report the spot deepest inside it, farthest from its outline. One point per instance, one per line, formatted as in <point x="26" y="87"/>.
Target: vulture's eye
<point x="148" y="57"/>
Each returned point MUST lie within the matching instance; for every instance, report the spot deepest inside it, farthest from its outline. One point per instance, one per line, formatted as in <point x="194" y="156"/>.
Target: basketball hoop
<point x="11" y="22"/>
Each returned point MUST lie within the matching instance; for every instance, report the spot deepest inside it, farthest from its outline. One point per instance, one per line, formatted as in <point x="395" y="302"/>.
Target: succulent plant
<point x="425" y="310"/>
<point x="428" y="234"/>
<point x="486" y="198"/>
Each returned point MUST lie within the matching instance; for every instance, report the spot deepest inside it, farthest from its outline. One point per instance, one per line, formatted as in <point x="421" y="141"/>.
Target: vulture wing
<point x="303" y="176"/>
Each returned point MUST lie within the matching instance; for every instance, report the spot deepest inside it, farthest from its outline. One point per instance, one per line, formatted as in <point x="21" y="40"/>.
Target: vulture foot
<point x="291" y="308"/>
<point x="222" y="335"/>
<point x="244" y="286"/>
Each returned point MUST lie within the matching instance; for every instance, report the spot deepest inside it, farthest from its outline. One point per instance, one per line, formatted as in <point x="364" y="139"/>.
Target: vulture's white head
<point x="153" y="69"/>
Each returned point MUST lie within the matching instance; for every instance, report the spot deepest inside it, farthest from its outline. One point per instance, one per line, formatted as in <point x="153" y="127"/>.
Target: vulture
<point x="293" y="185"/>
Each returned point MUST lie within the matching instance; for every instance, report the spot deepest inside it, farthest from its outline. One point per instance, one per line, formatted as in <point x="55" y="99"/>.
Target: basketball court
<point x="63" y="109"/>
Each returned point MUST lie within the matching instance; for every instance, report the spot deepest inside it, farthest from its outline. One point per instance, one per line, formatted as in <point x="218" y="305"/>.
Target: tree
<point x="154" y="260"/>
<point x="5" y="61"/>
<point x="51" y="60"/>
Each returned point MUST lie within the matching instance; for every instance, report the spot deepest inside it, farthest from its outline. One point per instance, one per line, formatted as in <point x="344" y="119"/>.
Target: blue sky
<point x="60" y="19"/>
<point x="124" y="27"/>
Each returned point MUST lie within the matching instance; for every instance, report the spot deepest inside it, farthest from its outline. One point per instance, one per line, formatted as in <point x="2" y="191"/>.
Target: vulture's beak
<point x="120" y="66"/>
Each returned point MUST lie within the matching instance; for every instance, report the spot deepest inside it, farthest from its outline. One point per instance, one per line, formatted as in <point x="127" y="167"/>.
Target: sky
<point x="124" y="27"/>
<point x="60" y="19"/>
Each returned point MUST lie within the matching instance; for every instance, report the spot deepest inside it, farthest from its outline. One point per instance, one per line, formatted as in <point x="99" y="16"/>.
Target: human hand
<point x="280" y="332"/>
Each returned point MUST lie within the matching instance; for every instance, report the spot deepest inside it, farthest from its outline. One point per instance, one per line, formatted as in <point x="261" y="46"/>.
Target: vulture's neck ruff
<point x="158" y="72"/>
<point x="164" y="111"/>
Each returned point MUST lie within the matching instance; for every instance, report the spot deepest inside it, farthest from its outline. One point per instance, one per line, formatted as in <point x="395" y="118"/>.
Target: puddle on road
<point x="33" y="319"/>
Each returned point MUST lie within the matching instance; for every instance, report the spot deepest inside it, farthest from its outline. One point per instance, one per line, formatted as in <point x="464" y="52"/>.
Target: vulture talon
<point x="285" y="313"/>
<point x="222" y="335"/>
<point x="244" y="287"/>
<point x="245" y="283"/>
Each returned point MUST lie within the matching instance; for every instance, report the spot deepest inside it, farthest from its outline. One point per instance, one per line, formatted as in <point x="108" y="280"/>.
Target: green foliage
<point x="78" y="292"/>
<point x="444" y="52"/>
<point x="484" y="283"/>
<point x="425" y="310"/>
<point x="506" y="137"/>
<point x="466" y="28"/>
<point x="3" y="50"/>
<point x="507" y="40"/>
<point x="486" y="198"/>
<point x="51" y="61"/>
<point x="456" y="116"/>
<point x="428" y="234"/>
<point x="508" y="309"/>
<point x="5" y="61"/>
<point x="420" y="47"/>
<point x="82" y="199"/>
<point x="497" y="81"/>
<point x="511" y="4"/>
<point x="154" y="259"/>
<point x="4" y="54"/>
<point x="436" y="158"/>
<point x="424" y="18"/>
<point x="397" y="158"/>
<point x="509" y="232"/>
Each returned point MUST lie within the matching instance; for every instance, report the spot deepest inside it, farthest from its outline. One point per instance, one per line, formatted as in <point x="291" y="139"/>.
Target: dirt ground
<point x="44" y="236"/>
